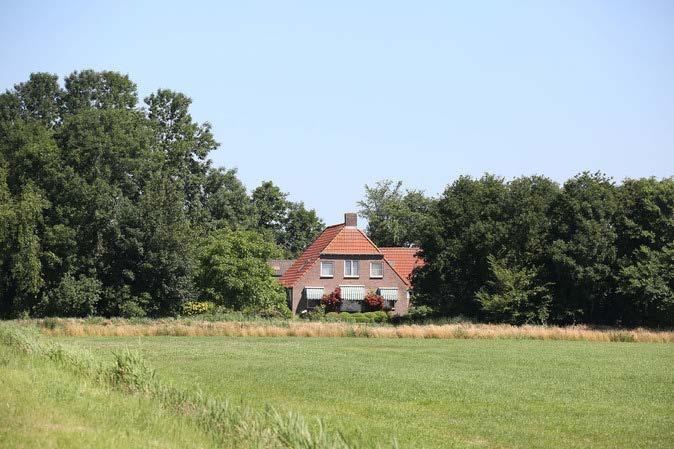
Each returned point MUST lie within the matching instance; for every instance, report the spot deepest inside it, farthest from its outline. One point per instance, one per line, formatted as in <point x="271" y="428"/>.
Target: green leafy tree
<point x="514" y="295"/>
<point x="269" y="206"/>
<point x="394" y="217"/>
<point x="233" y="271"/>
<point x="99" y="90"/>
<point x="21" y="279"/>
<point x="301" y="226"/>
<point x="185" y="145"/>
<point x="40" y="98"/>
<point x="227" y="201"/>
<point x="645" y="229"/>
<point x="476" y="219"/>
<point x="583" y="252"/>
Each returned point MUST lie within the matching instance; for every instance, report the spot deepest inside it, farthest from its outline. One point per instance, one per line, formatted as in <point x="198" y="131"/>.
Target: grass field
<point x="42" y="406"/>
<point x="436" y="393"/>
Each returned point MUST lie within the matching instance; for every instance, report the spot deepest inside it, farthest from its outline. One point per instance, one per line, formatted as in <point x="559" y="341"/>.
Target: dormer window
<point x="376" y="270"/>
<point x="327" y="269"/>
<point x="351" y="268"/>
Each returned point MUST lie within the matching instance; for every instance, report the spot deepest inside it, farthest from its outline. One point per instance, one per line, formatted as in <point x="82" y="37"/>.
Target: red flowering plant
<point x="374" y="301"/>
<point x="333" y="300"/>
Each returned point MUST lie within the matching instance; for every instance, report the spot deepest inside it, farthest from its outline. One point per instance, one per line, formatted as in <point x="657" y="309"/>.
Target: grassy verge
<point x="298" y="328"/>
<point x="42" y="406"/>
<point x="435" y="393"/>
<point x="229" y="426"/>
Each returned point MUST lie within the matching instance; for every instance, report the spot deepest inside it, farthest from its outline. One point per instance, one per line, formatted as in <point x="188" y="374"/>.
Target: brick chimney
<point x="350" y="219"/>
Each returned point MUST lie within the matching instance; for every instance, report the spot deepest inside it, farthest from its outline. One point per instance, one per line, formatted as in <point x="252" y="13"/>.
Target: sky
<point x="323" y="98"/>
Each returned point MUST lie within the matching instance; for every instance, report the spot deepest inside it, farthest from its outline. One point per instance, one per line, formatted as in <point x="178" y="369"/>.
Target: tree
<point x="185" y="145"/>
<point x="269" y="206"/>
<point x="226" y="200"/>
<point x="40" y="98"/>
<point x="99" y="90"/>
<point x="583" y="253"/>
<point x="21" y="278"/>
<point x="645" y="232"/>
<point x="514" y="295"/>
<point x="300" y="228"/>
<point x="395" y="218"/>
<point x="469" y="226"/>
<point x="233" y="271"/>
<point x="479" y="219"/>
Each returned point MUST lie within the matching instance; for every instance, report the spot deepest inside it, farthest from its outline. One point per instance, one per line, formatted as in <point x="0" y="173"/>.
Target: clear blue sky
<point x="325" y="98"/>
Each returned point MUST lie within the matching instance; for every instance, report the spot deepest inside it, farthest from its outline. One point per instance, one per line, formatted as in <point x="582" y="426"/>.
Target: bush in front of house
<point x="332" y="301"/>
<point x="373" y="301"/>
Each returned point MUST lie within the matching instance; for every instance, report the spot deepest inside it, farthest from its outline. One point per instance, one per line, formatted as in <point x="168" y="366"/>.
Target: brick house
<point x="343" y="256"/>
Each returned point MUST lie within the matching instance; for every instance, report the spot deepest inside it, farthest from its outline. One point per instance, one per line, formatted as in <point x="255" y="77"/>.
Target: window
<point x="327" y="269"/>
<point x="376" y="269"/>
<point x="351" y="269"/>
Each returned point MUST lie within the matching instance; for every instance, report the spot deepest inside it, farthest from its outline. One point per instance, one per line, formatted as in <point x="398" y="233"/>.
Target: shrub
<point x="316" y="314"/>
<point x="131" y="308"/>
<point x="73" y="296"/>
<point x="233" y="271"/>
<point x="374" y="301"/>
<point x="191" y="308"/>
<point x="332" y="301"/>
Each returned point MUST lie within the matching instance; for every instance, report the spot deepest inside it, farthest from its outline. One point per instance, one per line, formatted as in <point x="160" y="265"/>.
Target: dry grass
<point x="80" y="328"/>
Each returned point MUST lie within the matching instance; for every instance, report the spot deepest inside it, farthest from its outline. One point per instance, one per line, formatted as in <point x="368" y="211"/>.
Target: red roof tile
<point x="403" y="261"/>
<point x="351" y="241"/>
<point x="345" y="240"/>
<point x="310" y="255"/>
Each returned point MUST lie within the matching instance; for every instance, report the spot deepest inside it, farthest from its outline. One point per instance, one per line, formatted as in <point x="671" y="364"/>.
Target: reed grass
<point x="292" y="328"/>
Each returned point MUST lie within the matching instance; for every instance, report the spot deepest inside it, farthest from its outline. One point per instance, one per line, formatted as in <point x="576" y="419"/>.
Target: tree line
<point x="530" y="250"/>
<point x="112" y="207"/>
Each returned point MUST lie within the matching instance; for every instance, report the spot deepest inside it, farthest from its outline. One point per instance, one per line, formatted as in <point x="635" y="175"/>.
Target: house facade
<point x="343" y="256"/>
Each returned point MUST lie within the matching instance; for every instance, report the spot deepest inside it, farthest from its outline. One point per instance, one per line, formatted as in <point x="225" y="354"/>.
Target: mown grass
<point x="437" y="393"/>
<point x="299" y="328"/>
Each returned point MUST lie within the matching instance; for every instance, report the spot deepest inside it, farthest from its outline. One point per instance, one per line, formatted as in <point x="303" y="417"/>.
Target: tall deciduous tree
<point x="394" y="217"/>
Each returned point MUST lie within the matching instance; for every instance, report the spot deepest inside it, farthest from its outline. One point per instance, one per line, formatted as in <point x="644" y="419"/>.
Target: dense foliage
<point x="103" y="201"/>
<point x="531" y="251"/>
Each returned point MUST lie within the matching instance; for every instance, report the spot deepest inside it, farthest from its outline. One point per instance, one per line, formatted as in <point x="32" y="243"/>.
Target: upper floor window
<point x="327" y="269"/>
<point x="351" y="268"/>
<point x="376" y="269"/>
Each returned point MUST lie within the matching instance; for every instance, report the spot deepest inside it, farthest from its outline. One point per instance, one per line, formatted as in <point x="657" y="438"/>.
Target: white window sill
<point x="326" y="277"/>
<point x="376" y="277"/>
<point x="351" y="277"/>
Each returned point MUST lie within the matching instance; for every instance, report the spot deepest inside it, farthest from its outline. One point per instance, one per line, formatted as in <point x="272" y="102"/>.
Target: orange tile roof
<point x="351" y="241"/>
<point x="310" y="255"/>
<point x="403" y="261"/>
<point x="340" y="239"/>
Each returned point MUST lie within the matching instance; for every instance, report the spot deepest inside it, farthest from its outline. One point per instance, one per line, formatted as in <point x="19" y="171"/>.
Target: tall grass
<point x="290" y="328"/>
<point x="233" y="426"/>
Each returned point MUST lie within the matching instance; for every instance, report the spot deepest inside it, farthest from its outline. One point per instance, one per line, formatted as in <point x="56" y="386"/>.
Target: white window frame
<point x="351" y="263"/>
<point x="324" y="263"/>
<point x="378" y="276"/>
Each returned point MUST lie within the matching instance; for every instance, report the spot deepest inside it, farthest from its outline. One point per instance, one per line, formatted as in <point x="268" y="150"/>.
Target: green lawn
<point x="42" y="406"/>
<point x="437" y="393"/>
